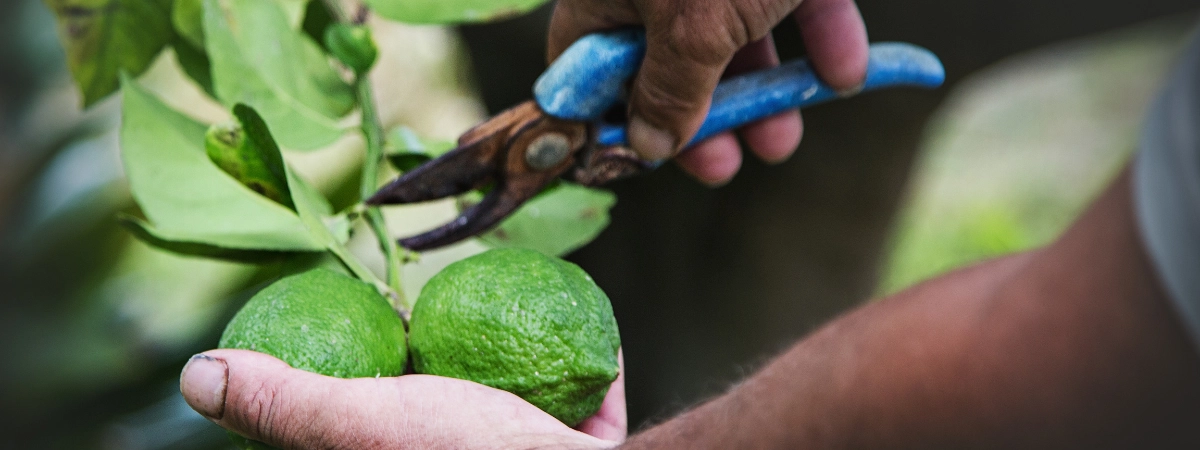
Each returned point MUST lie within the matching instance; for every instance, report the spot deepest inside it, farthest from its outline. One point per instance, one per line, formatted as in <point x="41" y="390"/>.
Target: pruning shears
<point x="562" y="132"/>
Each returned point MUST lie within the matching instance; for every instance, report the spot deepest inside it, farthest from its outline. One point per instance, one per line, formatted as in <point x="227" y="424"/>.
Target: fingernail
<point x="850" y="92"/>
<point x="203" y="385"/>
<point x="651" y="143"/>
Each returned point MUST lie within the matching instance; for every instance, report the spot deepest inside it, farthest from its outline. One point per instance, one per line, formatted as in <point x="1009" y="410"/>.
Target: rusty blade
<point x="520" y="151"/>
<point x="494" y="207"/>
<point x="512" y="190"/>
<point x="479" y="158"/>
<point x="453" y="173"/>
<point x="516" y="180"/>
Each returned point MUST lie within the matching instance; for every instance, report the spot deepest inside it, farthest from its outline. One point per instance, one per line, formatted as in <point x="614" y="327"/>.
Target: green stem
<point x="372" y="130"/>
<point x="357" y="268"/>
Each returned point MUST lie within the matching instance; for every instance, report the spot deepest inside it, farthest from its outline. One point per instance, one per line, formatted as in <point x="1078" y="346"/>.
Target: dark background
<point x="706" y="283"/>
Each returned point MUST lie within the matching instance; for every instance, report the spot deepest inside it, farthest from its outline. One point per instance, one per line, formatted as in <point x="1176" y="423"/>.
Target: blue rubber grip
<point x="587" y="80"/>
<point x="589" y="77"/>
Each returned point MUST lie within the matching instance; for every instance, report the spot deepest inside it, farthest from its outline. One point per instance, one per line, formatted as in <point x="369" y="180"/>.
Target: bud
<point x="352" y="45"/>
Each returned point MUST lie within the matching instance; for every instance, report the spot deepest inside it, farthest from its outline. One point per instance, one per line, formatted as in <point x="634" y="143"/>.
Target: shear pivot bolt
<point x="547" y="151"/>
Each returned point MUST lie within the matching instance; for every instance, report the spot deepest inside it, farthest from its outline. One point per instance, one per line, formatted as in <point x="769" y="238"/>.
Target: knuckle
<point x="263" y="411"/>
<point x="667" y="102"/>
<point x="756" y="17"/>
<point x="711" y="47"/>
<point x="712" y="31"/>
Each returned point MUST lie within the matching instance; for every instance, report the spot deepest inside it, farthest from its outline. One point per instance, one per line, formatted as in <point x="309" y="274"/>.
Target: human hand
<point x="692" y="44"/>
<point x="264" y="399"/>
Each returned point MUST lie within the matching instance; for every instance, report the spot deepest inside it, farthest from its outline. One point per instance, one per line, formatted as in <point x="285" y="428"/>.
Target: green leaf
<point x="186" y="196"/>
<point x="195" y="64"/>
<point x="188" y="19"/>
<point x="556" y="222"/>
<point x="294" y="11"/>
<point x="316" y="19"/>
<point x="106" y="37"/>
<point x="260" y="60"/>
<point x="405" y="151"/>
<point x="312" y="207"/>
<point x="246" y="151"/>
<point x="450" y="11"/>
<point x="180" y="244"/>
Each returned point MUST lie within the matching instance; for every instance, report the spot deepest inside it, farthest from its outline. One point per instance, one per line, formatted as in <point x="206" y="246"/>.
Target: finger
<point x="572" y="19"/>
<point x="713" y="161"/>
<point x="754" y="56"/>
<point x="264" y="399"/>
<point x="611" y="422"/>
<point x="672" y="90"/>
<point x="836" y="40"/>
<point x="775" y="138"/>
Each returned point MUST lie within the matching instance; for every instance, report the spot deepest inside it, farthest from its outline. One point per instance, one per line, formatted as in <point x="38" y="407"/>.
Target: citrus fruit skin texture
<point x="323" y="322"/>
<point x="523" y="322"/>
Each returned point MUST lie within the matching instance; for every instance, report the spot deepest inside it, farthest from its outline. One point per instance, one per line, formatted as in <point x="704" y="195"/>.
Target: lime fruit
<point x="323" y="322"/>
<point x="521" y="321"/>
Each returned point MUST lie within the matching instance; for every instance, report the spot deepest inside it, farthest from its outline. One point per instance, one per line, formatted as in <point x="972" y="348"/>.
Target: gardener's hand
<point x="264" y="399"/>
<point x="691" y="43"/>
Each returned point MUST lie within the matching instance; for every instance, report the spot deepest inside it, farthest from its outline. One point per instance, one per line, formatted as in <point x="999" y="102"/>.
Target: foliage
<point x="104" y="38"/>
<point x="447" y="11"/>
<point x="557" y="222"/>
<point x="258" y="59"/>
<point x="187" y="197"/>
<point x="292" y="73"/>
<point x="352" y="45"/>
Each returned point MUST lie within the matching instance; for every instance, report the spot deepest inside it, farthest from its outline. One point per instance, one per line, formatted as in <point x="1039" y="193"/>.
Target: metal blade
<point x="453" y="173"/>
<point x="495" y="206"/>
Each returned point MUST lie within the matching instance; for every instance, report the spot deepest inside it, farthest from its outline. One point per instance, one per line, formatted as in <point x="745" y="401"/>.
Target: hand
<point x="691" y="44"/>
<point x="264" y="399"/>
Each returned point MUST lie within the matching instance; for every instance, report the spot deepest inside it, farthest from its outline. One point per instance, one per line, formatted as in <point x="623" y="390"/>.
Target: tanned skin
<point x="1073" y="345"/>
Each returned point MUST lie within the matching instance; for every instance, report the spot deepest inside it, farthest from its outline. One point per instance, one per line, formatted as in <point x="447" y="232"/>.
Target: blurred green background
<point x="1041" y="109"/>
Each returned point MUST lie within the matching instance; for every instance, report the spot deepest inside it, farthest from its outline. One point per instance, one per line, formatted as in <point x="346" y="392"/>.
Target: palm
<point x="264" y="399"/>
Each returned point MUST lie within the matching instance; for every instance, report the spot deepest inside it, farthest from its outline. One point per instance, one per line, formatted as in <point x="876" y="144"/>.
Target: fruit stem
<point x="372" y="131"/>
<point x="361" y="271"/>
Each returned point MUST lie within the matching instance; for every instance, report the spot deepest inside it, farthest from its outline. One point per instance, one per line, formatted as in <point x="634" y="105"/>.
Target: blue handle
<point x="588" y="79"/>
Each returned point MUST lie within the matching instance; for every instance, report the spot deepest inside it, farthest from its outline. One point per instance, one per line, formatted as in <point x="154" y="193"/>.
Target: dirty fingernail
<point x="203" y="385"/>
<point x="651" y="143"/>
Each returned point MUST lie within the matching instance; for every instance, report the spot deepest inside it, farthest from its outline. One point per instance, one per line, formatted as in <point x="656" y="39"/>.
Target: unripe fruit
<point x="518" y="320"/>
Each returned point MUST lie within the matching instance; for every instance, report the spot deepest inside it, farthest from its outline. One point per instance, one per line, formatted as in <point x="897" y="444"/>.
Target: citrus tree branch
<point x="372" y="131"/>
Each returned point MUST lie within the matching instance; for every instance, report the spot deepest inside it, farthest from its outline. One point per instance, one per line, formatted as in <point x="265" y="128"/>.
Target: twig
<point x="372" y="131"/>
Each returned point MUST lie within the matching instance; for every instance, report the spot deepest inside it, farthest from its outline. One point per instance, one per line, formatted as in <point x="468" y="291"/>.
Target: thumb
<point x="688" y="46"/>
<point x="672" y="91"/>
<point x="264" y="399"/>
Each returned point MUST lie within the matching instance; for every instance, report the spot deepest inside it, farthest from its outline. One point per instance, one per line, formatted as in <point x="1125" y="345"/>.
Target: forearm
<point x="1072" y="345"/>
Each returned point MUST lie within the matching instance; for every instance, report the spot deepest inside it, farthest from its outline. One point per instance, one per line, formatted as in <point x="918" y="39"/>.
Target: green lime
<point x="323" y="322"/>
<point x="521" y="321"/>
